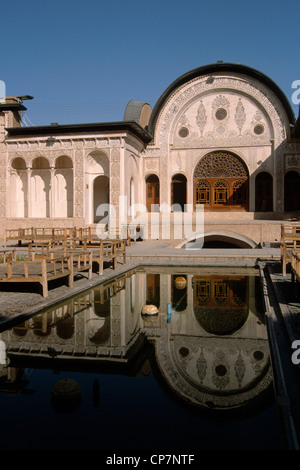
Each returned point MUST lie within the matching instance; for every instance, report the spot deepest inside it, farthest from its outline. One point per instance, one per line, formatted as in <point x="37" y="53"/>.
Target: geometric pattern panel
<point x="220" y="165"/>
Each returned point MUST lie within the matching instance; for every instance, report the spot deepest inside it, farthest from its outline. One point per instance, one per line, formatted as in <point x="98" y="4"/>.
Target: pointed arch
<point x="152" y="193"/>
<point x="263" y="192"/>
<point x="221" y="182"/>
<point x="18" y="188"/>
<point x="179" y="190"/>
<point x="63" y="187"/>
<point x="40" y="185"/>
<point x="96" y="184"/>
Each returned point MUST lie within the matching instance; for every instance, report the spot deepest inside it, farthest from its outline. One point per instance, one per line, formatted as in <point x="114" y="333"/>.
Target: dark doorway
<point x="264" y="192"/>
<point x="178" y="191"/>
<point x="292" y="191"/>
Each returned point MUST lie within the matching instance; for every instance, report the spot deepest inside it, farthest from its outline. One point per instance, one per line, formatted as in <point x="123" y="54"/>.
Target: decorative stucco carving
<point x="240" y="115"/>
<point x="115" y="178"/>
<point x="201" y="117"/>
<point x="198" y="87"/>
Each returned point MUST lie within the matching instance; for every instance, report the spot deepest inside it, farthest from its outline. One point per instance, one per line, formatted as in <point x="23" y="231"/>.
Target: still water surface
<point x="95" y="373"/>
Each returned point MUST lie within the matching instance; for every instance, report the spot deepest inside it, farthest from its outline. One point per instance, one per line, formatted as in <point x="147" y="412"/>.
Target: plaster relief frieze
<point x="78" y="157"/>
<point x="240" y="115"/>
<point x="164" y="178"/>
<point x="66" y="143"/>
<point x="79" y="198"/>
<point x="54" y="154"/>
<point x="290" y="147"/>
<point x="90" y="143"/>
<point x="79" y="183"/>
<point x="78" y="211"/>
<point x="151" y="163"/>
<point x="102" y="142"/>
<point x="115" y="169"/>
<point x="200" y="88"/>
<point x="115" y="154"/>
<point x="220" y="102"/>
<point x="201" y="117"/>
<point x="115" y="142"/>
<point x="115" y="178"/>
<point x="33" y="145"/>
<point x="23" y="145"/>
<point x="292" y="161"/>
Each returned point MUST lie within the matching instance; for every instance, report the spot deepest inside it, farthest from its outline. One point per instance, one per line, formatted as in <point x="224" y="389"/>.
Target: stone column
<point x="28" y="192"/>
<point x="52" y="192"/>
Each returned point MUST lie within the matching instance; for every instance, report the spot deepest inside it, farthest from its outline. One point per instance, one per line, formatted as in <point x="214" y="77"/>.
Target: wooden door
<point x="152" y="193"/>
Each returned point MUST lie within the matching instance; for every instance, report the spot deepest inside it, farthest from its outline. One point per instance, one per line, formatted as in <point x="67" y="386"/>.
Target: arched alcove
<point x="18" y="188"/>
<point x="179" y="191"/>
<point x="63" y="187"/>
<point x="96" y="184"/>
<point x="152" y="193"/>
<point x="100" y="196"/>
<point x="40" y="187"/>
<point x="291" y="191"/>
<point x="263" y="192"/>
<point x="221" y="182"/>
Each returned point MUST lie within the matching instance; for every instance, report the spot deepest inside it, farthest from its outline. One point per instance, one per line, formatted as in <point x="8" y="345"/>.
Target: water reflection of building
<point x="213" y="353"/>
<point x="93" y="325"/>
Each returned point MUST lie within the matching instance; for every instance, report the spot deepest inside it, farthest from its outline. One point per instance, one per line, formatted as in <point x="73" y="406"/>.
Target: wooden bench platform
<point x="44" y="269"/>
<point x="102" y="251"/>
<point x="48" y="260"/>
<point x="34" y="234"/>
<point x="72" y="234"/>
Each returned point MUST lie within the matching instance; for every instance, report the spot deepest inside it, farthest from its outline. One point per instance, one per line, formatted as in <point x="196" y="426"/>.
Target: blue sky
<point x="82" y="61"/>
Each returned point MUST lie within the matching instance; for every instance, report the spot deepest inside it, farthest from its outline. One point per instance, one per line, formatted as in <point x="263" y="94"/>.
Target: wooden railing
<point x="56" y="254"/>
<point x="290" y="241"/>
<point x="62" y="234"/>
<point x="47" y="269"/>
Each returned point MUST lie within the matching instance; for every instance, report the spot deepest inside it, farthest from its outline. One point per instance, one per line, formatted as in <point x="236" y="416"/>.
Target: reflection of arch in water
<point x="98" y="320"/>
<point x="220" y="303"/>
<point x="65" y="329"/>
<point x="215" y="374"/>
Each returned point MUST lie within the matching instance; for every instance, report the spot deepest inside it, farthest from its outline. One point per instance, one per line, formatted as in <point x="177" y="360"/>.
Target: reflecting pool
<point x="96" y="373"/>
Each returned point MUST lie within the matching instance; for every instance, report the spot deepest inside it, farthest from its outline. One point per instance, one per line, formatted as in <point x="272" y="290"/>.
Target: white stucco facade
<point x="221" y="136"/>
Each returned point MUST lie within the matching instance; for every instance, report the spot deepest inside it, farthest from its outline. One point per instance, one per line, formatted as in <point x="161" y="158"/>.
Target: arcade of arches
<point x="221" y="182"/>
<point x="41" y="190"/>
